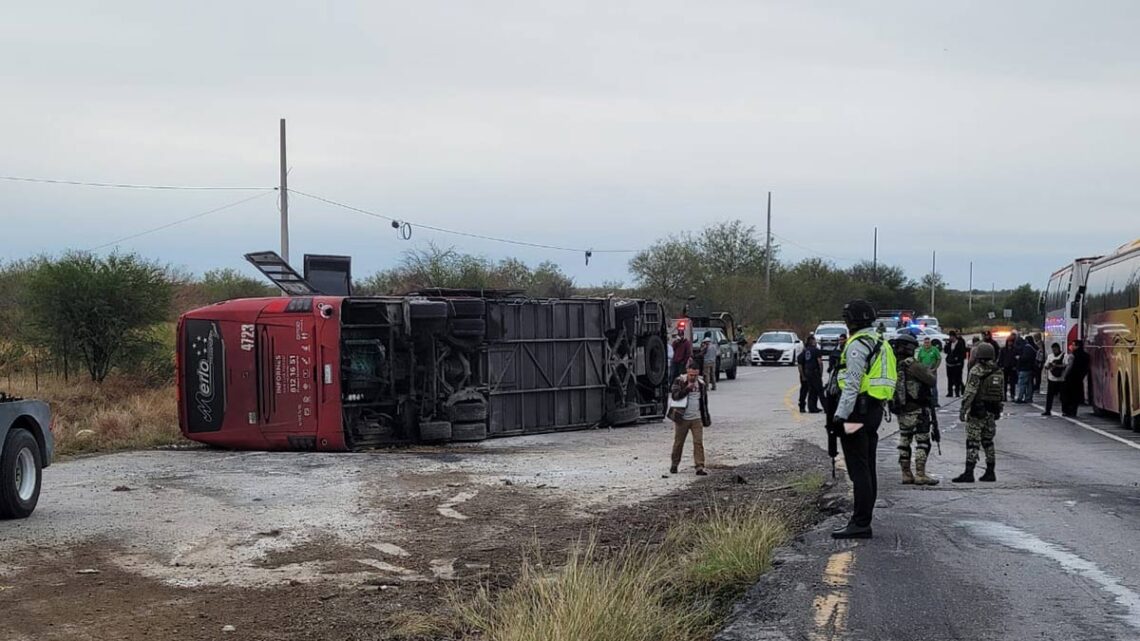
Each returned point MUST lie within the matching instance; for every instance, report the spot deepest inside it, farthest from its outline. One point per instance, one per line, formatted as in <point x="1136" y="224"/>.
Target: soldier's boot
<point x="965" y="477"/>
<point x="989" y="476"/>
<point x="907" y="477"/>
<point x="920" y="477"/>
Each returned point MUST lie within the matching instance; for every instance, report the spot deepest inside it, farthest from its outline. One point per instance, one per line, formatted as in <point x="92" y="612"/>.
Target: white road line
<point x="1021" y="540"/>
<point x="1095" y="429"/>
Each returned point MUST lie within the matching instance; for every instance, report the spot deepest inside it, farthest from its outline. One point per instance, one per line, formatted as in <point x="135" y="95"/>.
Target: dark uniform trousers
<point x="811" y="390"/>
<point x="859" y="455"/>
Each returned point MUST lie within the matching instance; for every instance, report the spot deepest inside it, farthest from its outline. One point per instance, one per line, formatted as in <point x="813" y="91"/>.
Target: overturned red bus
<point x="316" y="371"/>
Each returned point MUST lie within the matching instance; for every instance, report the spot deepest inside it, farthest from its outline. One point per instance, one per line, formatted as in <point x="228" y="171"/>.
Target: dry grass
<point x="117" y="415"/>
<point x="593" y="597"/>
<point x="416" y="626"/>
<point x="727" y="550"/>
<point x="809" y="483"/>
<point x="676" y="592"/>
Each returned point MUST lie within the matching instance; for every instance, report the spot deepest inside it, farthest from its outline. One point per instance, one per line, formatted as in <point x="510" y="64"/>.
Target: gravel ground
<point x="177" y="540"/>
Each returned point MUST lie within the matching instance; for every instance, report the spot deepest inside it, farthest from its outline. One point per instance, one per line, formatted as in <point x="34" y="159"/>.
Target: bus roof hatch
<point x="281" y="274"/>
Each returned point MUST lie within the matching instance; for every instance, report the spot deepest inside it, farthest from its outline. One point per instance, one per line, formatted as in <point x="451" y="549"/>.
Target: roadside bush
<point x="100" y="308"/>
<point x="229" y="283"/>
<point x="436" y="266"/>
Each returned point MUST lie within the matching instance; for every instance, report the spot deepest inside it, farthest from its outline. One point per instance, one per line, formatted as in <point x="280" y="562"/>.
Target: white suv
<point x="827" y="335"/>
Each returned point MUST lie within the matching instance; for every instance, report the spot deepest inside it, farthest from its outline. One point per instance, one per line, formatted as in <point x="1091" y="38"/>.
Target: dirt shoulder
<point x="464" y="536"/>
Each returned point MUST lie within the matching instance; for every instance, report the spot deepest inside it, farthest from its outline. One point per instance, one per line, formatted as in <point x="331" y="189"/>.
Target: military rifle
<point x="935" y="433"/>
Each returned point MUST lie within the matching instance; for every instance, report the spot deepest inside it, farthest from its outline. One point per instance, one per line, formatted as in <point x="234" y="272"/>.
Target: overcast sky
<point x="1003" y="133"/>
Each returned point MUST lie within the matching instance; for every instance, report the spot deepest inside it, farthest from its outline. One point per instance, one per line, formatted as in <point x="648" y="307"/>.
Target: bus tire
<point x="624" y="311"/>
<point x="656" y="360"/>
<point x="625" y="415"/>
<point x="469" y="431"/>
<point x="435" y="431"/>
<point x="427" y="310"/>
<point x="1127" y="421"/>
<point x="468" y="307"/>
<point x="468" y="412"/>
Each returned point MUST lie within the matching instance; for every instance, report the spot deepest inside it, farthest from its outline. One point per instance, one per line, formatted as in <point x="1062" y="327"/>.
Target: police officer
<point x="809" y="363"/>
<point x="864" y="381"/>
<point x="912" y="405"/>
<point x="981" y="407"/>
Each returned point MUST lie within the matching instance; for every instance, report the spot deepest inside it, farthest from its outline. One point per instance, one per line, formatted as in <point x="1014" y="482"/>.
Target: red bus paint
<point x="334" y="373"/>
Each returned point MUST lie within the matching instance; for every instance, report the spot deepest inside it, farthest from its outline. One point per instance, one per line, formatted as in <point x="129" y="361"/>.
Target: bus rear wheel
<point x="1127" y="421"/>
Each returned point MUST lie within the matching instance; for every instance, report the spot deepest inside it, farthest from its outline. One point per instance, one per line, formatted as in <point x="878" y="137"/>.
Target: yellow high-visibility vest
<point x="882" y="374"/>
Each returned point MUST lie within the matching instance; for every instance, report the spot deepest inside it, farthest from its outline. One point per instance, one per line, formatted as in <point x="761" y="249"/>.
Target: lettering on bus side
<point x="203" y="376"/>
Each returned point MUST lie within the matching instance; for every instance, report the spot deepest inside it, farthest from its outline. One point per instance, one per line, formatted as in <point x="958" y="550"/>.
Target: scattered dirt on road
<point x="456" y="536"/>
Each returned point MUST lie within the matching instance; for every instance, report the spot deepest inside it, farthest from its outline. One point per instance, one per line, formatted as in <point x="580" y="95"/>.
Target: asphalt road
<point x="1050" y="551"/>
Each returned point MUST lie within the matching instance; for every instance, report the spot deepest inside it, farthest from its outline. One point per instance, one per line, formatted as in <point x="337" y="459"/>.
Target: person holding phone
<point x="689" y="409"/>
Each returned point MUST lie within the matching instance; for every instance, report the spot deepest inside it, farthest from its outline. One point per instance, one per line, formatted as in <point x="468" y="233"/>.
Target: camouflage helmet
<point x="984" y="351"/>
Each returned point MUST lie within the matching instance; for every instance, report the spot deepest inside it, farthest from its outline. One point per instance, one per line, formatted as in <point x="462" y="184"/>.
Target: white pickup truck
<point x="26" y="447"/>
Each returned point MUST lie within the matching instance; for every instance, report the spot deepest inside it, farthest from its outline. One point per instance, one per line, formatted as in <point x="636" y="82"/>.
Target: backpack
<point x="992" y="387"/>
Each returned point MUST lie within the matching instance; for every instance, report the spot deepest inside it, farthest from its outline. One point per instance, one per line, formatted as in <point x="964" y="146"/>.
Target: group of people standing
<point x="1026" y="363"/>
<point x="683" y="353"/>
<point x="868" y="376"/>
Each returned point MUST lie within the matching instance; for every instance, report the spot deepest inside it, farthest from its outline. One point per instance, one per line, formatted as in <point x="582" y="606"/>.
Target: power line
<point x="454" y="232"/>
<point x="183" y="220"/>
<point x="81" y="183"/>
<point x="812" y="251"/>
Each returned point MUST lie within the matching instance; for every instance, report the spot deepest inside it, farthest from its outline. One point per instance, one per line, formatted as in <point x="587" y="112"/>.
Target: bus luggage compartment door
<point x="544" y="366"/>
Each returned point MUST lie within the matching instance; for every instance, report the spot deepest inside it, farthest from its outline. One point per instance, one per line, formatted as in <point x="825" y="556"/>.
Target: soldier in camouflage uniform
<point x="912" y="405"/>
<point x="981" y="407"/>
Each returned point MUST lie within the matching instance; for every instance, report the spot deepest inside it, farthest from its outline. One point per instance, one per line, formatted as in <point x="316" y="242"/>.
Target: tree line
<point x="81" y="314"/>
<point x="725" y="267"/>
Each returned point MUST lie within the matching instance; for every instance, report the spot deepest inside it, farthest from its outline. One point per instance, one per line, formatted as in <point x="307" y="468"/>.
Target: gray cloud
<point x="992" y="132"/>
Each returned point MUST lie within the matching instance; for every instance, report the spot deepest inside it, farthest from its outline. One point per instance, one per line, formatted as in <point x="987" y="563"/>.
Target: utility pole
<point x="971" y="286"/>
<point x="875" y="257"/>
<point x="283" y="193"/>
<point x="933" y="278"/>
<point x="993" y="295"/>
<point x="768" y="252"/>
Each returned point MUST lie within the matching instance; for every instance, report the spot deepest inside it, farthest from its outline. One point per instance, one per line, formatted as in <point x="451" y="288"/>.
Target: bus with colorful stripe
<point x="1111" y="308"/>
<point x="1061" y="303"/>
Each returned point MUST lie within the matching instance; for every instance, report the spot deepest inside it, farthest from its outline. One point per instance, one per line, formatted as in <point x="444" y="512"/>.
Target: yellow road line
<point x="831" y="609"/>
<point x="788" y="403"/>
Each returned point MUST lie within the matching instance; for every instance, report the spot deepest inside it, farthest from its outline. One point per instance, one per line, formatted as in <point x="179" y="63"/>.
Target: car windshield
<point x="830" y="331"/>
<point x="776" y="337"/>
<point x="699" y="334"/>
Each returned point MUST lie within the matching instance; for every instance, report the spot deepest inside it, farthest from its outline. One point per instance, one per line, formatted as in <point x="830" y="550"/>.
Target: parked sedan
<point x="937" y="338"/>
<point x="777" y="348"/>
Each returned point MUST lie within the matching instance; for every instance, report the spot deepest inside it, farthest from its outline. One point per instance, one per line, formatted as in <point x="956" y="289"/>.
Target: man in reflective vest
<point x="864" y="381"/>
